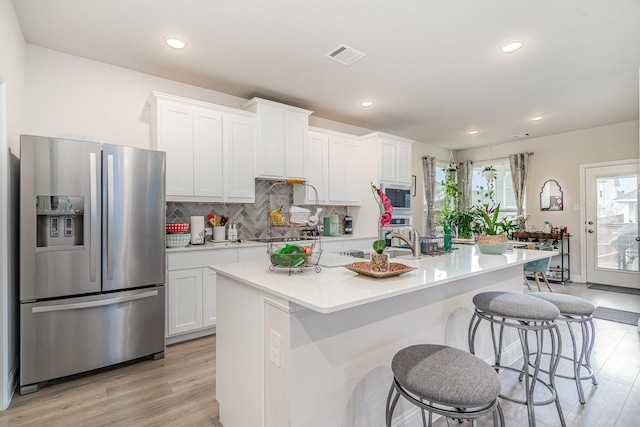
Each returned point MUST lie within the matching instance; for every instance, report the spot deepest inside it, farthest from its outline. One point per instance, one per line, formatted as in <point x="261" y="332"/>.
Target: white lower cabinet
<point x="191" y="289"/>
<point x="191" y="292"/>
<point x="184" y="308"/>
<point x="192" y="300"/>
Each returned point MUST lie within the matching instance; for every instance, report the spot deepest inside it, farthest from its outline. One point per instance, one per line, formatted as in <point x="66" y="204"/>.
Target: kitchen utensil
<point x="177" y="228"/>
<point x="218" y="233"/>
<point x="178" y="240"/>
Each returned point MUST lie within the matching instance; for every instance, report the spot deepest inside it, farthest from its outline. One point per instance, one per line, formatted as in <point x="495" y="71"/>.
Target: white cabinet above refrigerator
<point x="209" y="149"/>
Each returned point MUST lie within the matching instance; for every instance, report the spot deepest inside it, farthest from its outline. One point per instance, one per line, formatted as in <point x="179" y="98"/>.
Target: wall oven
<point x="400" y="198"/>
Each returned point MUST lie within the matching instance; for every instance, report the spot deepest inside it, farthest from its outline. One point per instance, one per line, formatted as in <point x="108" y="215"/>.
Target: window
<point x="503" y="187"/>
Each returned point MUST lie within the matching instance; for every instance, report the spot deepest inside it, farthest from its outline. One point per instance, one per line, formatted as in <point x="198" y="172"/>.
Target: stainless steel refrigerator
<point x="92" y="257"/>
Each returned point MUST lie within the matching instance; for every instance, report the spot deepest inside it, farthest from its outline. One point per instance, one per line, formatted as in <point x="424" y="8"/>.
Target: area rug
<point x="615" y="315"/>
<point x="610" y="288"/>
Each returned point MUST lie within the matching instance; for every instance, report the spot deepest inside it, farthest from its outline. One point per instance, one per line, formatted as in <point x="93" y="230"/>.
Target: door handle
<point x="93" y="216"/>
<point x="637" y="238"/>
<point x="590" y="223"/>
<point x="89" y="304"/>
<point x="110" y="216"/>
<point x="589" y="231"/>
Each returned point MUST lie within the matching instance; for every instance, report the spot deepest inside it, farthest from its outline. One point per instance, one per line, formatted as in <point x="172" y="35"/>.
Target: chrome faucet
<point x="415" y="245"/>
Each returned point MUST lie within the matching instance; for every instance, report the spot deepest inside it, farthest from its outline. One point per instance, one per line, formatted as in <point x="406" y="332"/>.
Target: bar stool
<point x="579" y="311"/>
<point x="526" y="314"/>
<point x="540" y="266"/>
<point x="446" y="381"/>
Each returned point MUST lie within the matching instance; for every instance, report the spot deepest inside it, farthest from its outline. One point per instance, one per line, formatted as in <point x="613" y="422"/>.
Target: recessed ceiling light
<point x="175" y="43"/>
<point x="366" y="103"/>
<point x="473" y="132"/>
<point x="511" y="46"/>
<point x="536" y="118"/>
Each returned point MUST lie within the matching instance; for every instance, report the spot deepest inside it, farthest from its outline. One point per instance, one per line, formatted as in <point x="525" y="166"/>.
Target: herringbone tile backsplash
<point x="252" y="219"/>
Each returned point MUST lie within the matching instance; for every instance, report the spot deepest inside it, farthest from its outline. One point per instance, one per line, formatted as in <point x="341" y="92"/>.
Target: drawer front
<point x="201" y="258"/>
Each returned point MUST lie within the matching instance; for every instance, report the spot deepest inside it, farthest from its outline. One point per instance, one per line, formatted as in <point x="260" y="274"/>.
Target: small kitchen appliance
<point x="331" y="226"/>
<point x="400" y="198"/>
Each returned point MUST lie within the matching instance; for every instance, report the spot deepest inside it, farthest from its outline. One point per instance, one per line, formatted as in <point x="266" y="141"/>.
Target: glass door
<point x="611" y="196"/>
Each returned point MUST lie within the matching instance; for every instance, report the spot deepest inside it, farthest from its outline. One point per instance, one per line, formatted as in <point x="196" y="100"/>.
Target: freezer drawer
<point x="69" y="336"/>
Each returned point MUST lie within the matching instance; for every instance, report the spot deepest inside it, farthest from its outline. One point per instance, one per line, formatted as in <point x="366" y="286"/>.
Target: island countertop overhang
<point x="335" y="289"/>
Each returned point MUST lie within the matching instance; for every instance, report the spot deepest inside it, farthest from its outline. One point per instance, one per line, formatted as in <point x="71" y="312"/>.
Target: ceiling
<point x="432" y="67"/>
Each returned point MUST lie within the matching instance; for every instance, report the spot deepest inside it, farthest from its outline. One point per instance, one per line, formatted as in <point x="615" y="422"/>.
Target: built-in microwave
<point x="400" y="198"/>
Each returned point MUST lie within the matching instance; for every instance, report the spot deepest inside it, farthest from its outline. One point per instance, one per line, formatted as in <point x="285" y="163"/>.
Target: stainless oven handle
<point x="89" y="304"/>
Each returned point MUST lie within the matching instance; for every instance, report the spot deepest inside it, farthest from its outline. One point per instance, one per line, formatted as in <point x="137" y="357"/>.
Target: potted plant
<point x="450" y="201"/>
<point x="489" y="173"/>
<point x="492" y="237"/>
<point x="379" y="260"/>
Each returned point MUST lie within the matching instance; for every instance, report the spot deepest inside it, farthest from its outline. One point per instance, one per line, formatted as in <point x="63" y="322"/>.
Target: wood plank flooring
<point x="175" y="391"/>
<point x="179" y="389"/>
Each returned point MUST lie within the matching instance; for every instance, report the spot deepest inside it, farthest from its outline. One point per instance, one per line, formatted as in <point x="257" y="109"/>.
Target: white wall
<point x="559" y="157"/>
<point x="69" y="95"/>
<point x="12" y="62"/>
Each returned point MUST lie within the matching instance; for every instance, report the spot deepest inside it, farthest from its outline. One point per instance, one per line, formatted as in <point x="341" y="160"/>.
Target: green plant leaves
<point x="379" y="246"/>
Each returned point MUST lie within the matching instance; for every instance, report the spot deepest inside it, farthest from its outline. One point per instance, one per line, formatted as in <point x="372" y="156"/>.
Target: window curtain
<point x="465" y="173"/>
<point x="519" y="164"/>
<point x="429" y="179"/>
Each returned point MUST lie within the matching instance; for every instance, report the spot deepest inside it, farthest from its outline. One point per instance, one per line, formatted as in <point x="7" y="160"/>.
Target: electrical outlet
<point x="274" y="347"/>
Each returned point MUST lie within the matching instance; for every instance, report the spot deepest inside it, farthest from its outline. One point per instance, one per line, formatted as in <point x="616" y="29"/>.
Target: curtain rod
<point x="486" y="160"/>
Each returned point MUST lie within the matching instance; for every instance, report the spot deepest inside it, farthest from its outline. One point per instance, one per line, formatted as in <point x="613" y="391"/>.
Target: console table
<point x="559" y="273"/>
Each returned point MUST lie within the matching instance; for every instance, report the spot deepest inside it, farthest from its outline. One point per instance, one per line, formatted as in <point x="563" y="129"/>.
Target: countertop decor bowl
<point x="178" y="240"/>
<point x="177" y="228"/>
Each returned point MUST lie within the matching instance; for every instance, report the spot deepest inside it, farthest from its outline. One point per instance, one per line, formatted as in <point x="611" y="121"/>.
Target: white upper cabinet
<point x="239" y="182"/>
<point x="282" y="141"/>
<point x="334" y="169"/>
<point x="317" y="171"/>
<point x="209" y="149"/>
<point x="394" y="164"/>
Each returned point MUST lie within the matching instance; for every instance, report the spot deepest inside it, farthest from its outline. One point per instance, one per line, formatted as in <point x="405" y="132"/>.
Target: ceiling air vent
<point x="344" y="54"/>
<point x="521" y="135"/>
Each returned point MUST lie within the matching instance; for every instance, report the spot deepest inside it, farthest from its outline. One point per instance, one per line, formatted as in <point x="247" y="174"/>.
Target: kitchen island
<point x="314" y="349"/>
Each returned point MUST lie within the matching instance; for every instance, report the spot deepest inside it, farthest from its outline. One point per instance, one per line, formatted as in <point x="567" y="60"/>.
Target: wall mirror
<point x="551" y="196"/>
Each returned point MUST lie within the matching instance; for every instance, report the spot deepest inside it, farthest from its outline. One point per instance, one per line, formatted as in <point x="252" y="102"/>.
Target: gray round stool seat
<point x="518" y="306"/>
<point x="567" y="304"/>
<point x="527" y="315"/>
<point x="453" y="383"/>
<point x="574" y="310"/>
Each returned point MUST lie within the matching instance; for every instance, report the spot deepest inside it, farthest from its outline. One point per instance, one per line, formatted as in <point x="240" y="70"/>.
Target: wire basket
<point x="294" y="257"/>
<point x="434" y="245"/>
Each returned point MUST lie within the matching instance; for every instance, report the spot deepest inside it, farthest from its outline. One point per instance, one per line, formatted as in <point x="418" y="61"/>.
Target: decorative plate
<point x="364" y="268"/>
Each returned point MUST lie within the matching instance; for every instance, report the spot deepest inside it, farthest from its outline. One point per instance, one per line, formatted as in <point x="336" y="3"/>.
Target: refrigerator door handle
<point x="89" y="304"/>
<point x="110" y="208"/>
<point x="93" y="237"/>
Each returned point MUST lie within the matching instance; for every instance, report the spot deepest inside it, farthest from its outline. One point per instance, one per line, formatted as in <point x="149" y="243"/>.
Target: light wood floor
<point x="175" y="391"/>
<point x="179" y="389"/>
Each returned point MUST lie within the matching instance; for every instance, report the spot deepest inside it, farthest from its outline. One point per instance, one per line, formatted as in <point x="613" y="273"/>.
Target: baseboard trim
<point x="190" y="336"/>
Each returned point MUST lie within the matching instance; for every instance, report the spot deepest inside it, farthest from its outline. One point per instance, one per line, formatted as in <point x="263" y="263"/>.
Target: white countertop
<point x="249" y="243"/>
<point x="335" y="289"/>
<point x="210" y="245"/>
